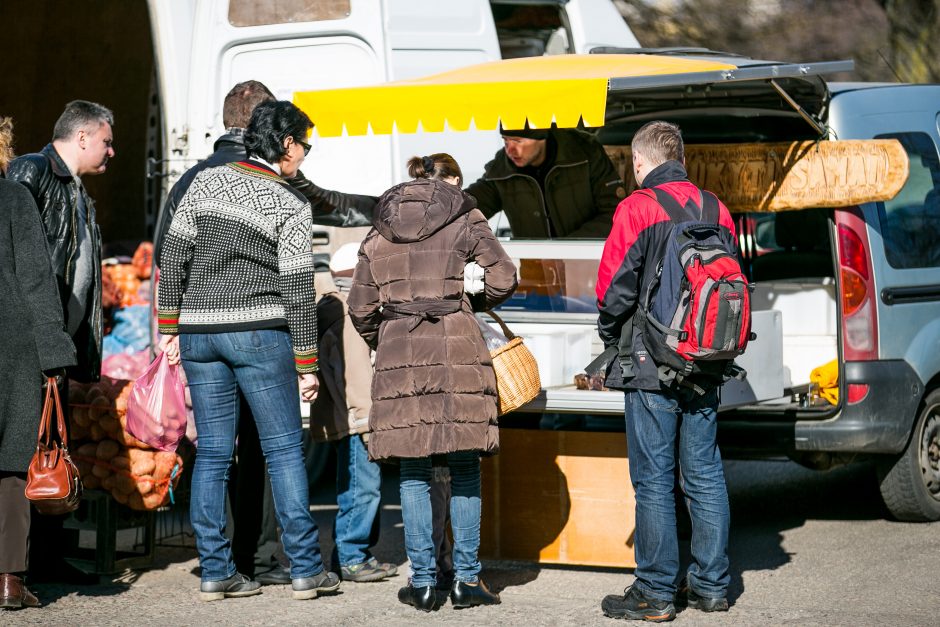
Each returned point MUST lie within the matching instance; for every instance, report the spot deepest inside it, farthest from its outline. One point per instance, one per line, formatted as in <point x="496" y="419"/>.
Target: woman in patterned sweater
<point x="236" y="301"/>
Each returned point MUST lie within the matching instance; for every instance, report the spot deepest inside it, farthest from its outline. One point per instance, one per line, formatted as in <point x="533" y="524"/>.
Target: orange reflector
<point x="853" y="291"/>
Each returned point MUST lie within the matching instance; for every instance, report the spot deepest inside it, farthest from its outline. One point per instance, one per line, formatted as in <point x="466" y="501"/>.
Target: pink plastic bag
<point x="125" y="366"/>
<point x="156" y="408"/>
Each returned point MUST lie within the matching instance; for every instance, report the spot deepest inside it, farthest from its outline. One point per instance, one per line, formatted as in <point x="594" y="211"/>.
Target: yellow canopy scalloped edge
<point x="563" y="89"/>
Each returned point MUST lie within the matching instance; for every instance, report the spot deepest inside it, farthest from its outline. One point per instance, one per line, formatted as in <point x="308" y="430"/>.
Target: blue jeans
<point x="261" y="365"/>
<point x="464" y="516"/>
<point x="358" y="493"/>
<point x="660" y="425"/>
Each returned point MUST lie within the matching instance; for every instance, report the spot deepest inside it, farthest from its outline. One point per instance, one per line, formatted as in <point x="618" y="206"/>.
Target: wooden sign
<point x="790" y="175"/>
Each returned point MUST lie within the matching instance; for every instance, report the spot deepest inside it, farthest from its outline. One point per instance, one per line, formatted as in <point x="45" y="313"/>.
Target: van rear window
<point x="254" y="13"/>
<point x="910" y="222"/>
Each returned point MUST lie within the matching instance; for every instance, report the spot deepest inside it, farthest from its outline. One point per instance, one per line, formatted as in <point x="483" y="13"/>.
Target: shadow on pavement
<point x="771" y="497"/>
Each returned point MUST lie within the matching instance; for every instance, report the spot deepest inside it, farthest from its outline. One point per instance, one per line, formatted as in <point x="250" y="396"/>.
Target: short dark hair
<point x="435" y="167"/>
<point x="241" y="100"/>
<point x="78" y="115"/>
<point x="659" y="142"/>
<point x="270" y="124"/>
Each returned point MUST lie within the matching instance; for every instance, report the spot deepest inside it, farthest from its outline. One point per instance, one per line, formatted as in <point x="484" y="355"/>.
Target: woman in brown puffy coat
<point x="434" y="390"/>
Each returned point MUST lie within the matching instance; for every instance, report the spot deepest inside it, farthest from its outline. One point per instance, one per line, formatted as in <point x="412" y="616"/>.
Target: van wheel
<point x="910" y="484"/>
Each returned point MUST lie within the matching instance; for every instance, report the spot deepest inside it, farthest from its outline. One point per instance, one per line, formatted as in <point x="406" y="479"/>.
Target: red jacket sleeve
<point x="618" y="274"/>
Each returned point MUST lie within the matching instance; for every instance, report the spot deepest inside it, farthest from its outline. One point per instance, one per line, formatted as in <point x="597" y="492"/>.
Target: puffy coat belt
<point x="419" y="311"/>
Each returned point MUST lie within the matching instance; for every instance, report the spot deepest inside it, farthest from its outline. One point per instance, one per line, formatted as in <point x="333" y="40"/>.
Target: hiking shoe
<point x="634" y="605"/>
<point x="238" y="585"/>
<point x="685" y="595"/>
<point x="308" y="587"/>
<point x="277" y="576"/>
<point x="369" y="570"/>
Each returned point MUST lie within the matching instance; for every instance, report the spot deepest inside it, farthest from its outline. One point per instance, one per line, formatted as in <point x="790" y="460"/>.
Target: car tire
<point x="910" y="483"/>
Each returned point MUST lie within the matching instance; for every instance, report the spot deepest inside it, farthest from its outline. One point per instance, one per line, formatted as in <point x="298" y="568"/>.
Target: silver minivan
<point x="855" y="287"/>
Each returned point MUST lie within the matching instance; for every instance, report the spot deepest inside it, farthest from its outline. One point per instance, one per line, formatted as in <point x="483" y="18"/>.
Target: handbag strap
<point x="502" y="325"/>
<point x="45" y="423"/>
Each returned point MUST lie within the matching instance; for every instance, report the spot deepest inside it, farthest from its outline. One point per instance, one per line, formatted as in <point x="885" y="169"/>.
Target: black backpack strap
<point x="678" y="213"/>
<point x="710" y="212"/>
<point x="671" y="205"/>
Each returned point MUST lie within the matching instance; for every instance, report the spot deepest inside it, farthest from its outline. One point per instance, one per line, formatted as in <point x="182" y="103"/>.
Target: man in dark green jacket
<point x="551" y="183"/>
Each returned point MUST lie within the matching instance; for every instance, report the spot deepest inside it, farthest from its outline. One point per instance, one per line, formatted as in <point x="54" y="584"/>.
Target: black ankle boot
<point x="423" y="598"/>
<point x="465" y="594"/>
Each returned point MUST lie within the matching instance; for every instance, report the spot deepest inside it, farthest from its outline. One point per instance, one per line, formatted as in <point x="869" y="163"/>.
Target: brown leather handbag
<point x="53" y="484"/>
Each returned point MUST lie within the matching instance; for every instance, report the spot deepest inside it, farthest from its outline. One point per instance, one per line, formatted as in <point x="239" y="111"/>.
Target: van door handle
<point x="914" y="294"/>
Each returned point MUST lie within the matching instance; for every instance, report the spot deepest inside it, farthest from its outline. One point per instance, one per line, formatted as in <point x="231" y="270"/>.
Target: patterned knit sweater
<point x="238" y="257"/>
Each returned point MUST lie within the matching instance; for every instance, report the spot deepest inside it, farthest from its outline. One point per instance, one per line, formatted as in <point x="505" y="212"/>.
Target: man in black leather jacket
<point x="81" y="145"/>
<point x="254" y="541"/>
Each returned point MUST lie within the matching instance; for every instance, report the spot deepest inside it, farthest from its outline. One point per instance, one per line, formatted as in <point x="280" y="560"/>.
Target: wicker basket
<point x="517" y="373"/>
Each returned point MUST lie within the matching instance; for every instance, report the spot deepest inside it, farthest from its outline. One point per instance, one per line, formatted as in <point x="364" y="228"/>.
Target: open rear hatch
<point x="751" y="101"/>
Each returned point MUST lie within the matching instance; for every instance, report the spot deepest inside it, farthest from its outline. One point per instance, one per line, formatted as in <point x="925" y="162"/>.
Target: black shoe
<point x="235" y="586"/>
<point x="634" y="605"/>
<point x="309" y="587"/>
<point x="685" y="595"/>
<point x="465" y="594"/>
<point x="277" y="576"/>
<point x="424" y="598"/>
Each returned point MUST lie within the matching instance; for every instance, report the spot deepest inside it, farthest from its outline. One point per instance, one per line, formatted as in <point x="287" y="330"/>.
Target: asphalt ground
<point x="807" y="548"/>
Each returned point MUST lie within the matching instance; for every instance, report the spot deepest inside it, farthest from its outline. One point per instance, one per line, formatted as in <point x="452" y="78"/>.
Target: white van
<point x="203" y="47"/>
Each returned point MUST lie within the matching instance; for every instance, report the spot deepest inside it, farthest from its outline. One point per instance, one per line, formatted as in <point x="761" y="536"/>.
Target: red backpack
<point x="696" y="314"/>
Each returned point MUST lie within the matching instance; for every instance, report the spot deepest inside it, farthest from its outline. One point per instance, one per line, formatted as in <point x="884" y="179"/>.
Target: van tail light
<point x="856" y="281"/>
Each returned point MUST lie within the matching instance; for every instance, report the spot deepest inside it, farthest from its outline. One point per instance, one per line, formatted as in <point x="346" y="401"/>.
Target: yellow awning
<point x="564" y="89"/>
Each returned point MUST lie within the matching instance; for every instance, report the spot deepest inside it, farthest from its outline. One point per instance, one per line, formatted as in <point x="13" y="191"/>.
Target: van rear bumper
<point x="879" y="423"/>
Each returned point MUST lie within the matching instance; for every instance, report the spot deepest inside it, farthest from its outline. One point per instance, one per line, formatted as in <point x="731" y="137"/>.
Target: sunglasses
<point x="306" y="147"/>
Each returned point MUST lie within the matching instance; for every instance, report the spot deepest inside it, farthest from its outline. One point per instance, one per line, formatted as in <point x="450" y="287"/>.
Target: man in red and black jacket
<point x="664" y="427"/>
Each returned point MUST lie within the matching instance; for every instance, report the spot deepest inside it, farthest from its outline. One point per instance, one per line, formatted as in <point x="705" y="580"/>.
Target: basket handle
<point x="502" y="325"/>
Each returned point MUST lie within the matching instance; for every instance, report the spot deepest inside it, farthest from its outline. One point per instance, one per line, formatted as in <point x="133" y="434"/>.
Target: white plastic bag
<point x="493" y="338"/>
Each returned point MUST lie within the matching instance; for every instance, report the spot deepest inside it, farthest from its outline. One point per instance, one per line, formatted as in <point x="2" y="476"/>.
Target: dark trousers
<point x="14" y="523"/>
<point x="440" y="513"/>
<point x="254" y="538"/>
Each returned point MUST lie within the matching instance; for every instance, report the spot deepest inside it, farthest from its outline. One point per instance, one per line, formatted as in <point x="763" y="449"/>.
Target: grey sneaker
<point x="369" y="570"/>
<point x="309" y="587"/>
<point x="238" y="585"/>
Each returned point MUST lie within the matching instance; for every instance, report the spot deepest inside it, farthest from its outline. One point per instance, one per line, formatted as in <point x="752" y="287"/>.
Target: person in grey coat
<point x="33" y="342"/>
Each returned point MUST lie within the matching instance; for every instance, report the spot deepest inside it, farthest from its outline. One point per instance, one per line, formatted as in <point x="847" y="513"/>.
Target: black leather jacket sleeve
<point x="332" y="208"/>
<point x="329" y="208"/>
